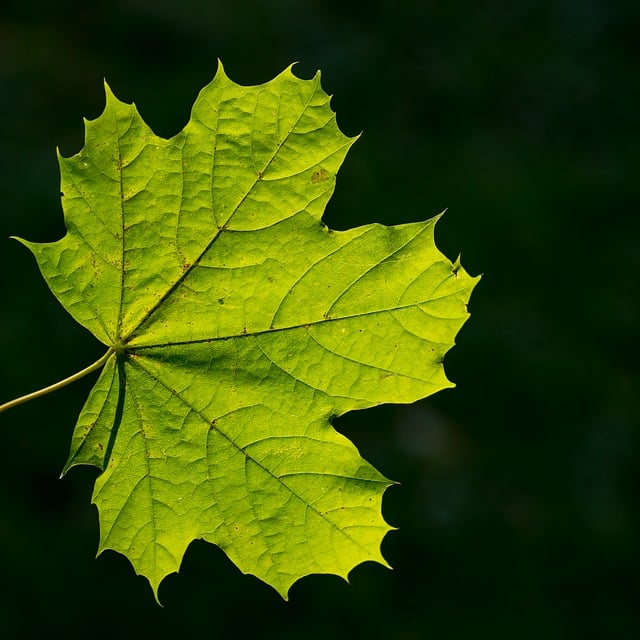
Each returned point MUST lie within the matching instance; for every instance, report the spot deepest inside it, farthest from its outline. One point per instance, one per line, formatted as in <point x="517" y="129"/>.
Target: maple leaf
<point x="238" y="326"/>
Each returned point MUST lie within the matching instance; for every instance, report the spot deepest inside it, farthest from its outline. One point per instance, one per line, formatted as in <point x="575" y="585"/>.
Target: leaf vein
<point x="249" y="457"/>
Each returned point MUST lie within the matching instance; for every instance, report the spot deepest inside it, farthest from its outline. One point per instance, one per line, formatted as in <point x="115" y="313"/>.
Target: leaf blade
<point x="241" y="326"/>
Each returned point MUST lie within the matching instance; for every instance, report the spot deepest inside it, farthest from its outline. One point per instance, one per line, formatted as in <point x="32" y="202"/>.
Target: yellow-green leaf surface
<point x="240" y="325"/>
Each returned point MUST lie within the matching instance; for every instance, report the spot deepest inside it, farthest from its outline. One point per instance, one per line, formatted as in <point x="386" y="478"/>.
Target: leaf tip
<point x="284" y="594"/>
<point x="221" y="74"/>
<point x="22" y="241"/>
<point x="155" y="588"/>
<point x="437" y="217"/>
<point x="68" y="465"/>
<point x="111" y="99"/>
<point x="108" y="93"/>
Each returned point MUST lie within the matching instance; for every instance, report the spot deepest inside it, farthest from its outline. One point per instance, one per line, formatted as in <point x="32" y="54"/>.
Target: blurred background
<point x="518" y="509"/>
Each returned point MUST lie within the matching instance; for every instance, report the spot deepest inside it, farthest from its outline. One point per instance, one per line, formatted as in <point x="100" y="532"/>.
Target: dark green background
<point x="518" y="508"/>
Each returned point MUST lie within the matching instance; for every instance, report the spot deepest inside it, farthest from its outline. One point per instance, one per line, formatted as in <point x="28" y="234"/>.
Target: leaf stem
<point x="58" y="385"/>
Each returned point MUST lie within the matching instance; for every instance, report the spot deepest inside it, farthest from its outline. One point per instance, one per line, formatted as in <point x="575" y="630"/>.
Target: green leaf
<point x="239" y="326"/>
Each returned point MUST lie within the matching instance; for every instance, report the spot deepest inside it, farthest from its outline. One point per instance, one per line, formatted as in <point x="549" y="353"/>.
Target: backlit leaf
<point x="238" y="327"/>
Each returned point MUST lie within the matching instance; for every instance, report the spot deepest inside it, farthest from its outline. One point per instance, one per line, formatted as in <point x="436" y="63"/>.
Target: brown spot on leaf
<point x="319" y="175"/>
